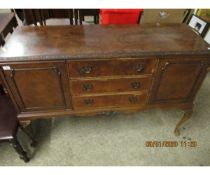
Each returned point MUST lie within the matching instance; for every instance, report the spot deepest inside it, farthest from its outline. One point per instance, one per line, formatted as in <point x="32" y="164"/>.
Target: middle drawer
<point x="82" y="87"/>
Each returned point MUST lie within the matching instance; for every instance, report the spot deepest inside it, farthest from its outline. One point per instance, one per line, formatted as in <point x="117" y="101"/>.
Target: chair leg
<point x="28" y="133"/>
<point x="18" y="148"/>
<point x="1" y="90"/>
<point x="96" y="19"/>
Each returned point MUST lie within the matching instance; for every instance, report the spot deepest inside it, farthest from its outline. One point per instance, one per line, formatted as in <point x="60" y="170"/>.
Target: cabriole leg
<point x="186" y="116"/>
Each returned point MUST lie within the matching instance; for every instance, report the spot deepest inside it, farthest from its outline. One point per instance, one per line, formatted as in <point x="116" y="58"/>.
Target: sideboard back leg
<point x="185" y="117"/>
<point x="16" y="145"/>
<point x="25" y="127"/>
<point x="30" y="135"/>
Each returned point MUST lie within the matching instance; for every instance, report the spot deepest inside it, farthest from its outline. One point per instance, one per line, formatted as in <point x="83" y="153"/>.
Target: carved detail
<point x="25" y="123"/>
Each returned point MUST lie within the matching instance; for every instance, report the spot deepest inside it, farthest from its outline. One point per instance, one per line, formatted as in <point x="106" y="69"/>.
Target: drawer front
<point x="110" y="67"/>
<point x="79" y="87"/>
<point x="108" y="101"/>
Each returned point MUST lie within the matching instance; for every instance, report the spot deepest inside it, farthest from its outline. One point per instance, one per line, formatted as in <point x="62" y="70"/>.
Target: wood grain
<point x="99" y="41"/>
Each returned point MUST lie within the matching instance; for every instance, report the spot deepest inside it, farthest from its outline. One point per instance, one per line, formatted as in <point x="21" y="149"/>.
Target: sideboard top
<point x="101" y="41"/>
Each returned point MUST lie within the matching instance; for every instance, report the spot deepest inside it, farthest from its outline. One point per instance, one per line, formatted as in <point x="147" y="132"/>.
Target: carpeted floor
<point x="120" y="139"/>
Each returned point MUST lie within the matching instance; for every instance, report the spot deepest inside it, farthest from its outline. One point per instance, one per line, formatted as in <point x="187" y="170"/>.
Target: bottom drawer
<point x="108" y="101"/>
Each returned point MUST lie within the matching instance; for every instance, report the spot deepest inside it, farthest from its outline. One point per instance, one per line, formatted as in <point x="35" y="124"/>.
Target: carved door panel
<point x="177" y="80"/>
<point x="38" y="86"/>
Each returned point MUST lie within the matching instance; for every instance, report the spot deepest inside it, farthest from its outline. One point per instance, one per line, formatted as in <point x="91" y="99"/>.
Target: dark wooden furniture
<point x="7" y="23"/>
<point x="35" y="16"/>
<point x="81" y="13"/>
<point x="9" y="126"/>
<point x="75" y="16"/>
<point x="61" y="13"/>
<point x="1" y="86"/>
<point x="83" y="70"/>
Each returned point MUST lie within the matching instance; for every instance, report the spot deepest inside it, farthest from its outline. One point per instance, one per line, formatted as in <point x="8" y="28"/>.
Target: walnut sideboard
<point x="96" y="70"/>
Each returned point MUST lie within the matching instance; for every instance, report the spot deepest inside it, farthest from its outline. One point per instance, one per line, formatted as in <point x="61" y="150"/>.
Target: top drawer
<point x="95" y="68"/>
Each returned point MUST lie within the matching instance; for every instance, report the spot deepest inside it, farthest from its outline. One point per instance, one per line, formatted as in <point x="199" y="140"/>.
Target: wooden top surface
<point x="101" y="41"/>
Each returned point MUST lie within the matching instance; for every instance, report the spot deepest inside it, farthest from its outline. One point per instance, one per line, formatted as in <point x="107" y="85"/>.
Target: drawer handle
<point x="139" y="68"/>
<point x="89" y="102"/>
<point x="133" y="99"/>
<point x="135" y="85"/>
<point x="86" y="69"/>
<point x="87" y="87"/>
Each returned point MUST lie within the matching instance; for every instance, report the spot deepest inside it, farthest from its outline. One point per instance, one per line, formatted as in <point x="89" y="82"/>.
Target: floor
<point x="120" y="139"/>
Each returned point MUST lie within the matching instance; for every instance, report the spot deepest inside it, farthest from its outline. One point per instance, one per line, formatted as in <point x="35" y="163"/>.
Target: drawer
<point x="108" y="101"/>
<point x="97" y="68"/>
<point x="82" y="87"/>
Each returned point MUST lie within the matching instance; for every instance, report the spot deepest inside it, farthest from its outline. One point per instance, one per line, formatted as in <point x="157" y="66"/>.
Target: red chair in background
<point x="120" y="16"/>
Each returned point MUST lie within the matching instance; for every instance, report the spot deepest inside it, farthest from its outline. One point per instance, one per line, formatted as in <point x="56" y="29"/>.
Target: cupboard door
<point x="38" y="86"/>
<point x="177" y="80"/>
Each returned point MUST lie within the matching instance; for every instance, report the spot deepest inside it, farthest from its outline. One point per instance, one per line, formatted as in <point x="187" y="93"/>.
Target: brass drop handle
<point x="133" y="99"/>
<point x="89" y="101"/>
<point x="139" y="68"/>
<point x="135" y="85"/>
<point x="87" y="87"/>
<point x="86" y="69"/>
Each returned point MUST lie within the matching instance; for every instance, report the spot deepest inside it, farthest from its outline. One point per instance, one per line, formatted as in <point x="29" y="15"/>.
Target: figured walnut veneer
<point x="83" y="70"/>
